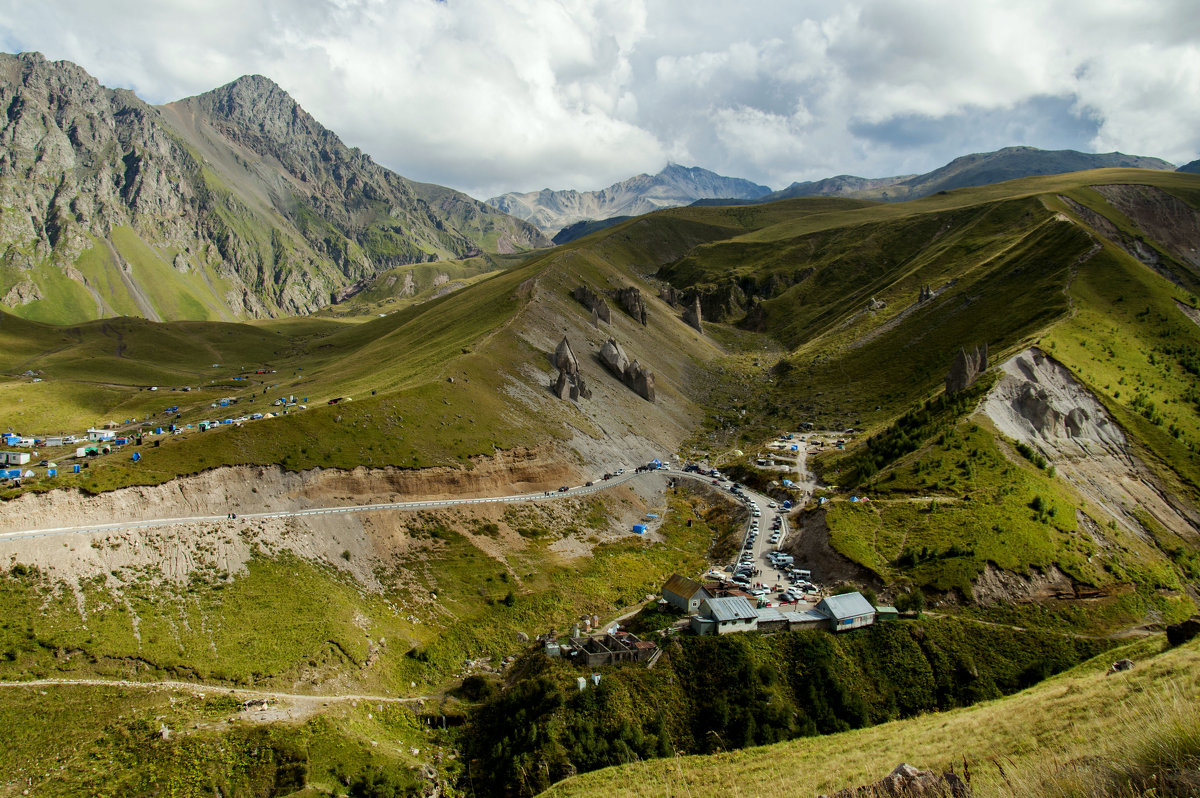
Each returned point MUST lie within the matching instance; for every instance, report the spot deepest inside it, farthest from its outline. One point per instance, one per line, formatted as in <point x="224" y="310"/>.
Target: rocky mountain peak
<point x="259" y="108"/>
<point x="79" y="160"/>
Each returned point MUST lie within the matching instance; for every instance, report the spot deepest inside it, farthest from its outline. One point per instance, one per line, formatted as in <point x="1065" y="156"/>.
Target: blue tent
<point x="51" y="472"/>
<point x="639" y="528"/>
<point x="137" y="456"/>
<point x="795" y="448"/>
<point x="787" y="483"/>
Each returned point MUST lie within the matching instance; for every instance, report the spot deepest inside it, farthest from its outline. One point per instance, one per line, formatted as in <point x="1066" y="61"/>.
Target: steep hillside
<point x="234" y="204"/>
<point x="977" y="169"/>
<point x="1052" y="739"/>
<point x="675" y="185"/>
<point x="1078" y="486"/>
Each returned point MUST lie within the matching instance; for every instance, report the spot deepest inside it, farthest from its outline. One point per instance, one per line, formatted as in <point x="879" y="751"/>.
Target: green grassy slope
<point x="1018" y="740"/>
<point x="87" y="740"/>
<point x="1010" y="266"/>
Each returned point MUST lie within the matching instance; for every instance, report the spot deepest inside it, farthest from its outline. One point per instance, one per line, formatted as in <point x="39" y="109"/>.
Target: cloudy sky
<point x="497" y="95"/>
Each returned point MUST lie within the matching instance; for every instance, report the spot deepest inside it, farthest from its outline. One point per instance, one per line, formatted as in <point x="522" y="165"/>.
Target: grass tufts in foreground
<point x="1158" y="754"/>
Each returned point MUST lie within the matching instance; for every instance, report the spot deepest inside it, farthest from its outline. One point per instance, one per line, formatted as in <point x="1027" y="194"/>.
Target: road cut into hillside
<point x="352" y="538"/>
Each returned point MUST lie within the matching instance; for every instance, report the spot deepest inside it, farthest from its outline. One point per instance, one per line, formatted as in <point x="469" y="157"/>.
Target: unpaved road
<point x="332" y="510"/>
<point x="205" y="689"/>
<point x="268" y="706"/>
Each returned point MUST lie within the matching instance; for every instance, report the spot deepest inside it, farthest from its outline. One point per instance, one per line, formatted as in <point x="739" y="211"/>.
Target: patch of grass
<point x="941" y="514"/>
<point x="83" y="740"/>
<point x="474" y="619"/>
<point x="261" y="627"/>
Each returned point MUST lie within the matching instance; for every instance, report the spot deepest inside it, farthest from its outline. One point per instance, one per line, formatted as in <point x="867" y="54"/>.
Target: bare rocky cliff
<point x="240" y="188"/>
<point x="1038" y="402"/>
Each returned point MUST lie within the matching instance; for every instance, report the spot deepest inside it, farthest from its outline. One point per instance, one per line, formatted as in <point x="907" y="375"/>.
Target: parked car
<point x="563" y="489"/>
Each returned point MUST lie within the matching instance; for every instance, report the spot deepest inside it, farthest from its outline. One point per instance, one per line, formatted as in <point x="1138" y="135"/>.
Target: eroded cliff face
<point x="1037" y="401"/>
<point x="241" y="188"/>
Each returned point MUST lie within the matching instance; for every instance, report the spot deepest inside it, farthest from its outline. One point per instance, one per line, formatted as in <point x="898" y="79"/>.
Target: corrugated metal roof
<point x="809" y="616"/>
<point x="847" y="605"/>
<point x="682" y="586"/>
<point x="770" y="614"/>
<point x="731" y="609"/>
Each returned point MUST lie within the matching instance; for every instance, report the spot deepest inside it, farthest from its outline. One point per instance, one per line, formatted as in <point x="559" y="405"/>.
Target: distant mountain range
<point x="978" y="169"/>
<point x="675" y="185"/>
<point x="232" y="204"/>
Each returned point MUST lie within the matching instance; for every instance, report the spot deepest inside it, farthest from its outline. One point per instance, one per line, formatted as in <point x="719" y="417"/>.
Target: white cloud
<point x="493" y="95"/>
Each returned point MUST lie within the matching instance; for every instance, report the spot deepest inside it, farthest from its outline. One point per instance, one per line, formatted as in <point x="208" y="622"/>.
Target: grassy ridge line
<point x="1072" y="714"/>
<point x="966" y="197"/>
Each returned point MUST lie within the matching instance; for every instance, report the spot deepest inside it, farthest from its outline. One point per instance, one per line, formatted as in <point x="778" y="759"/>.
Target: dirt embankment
<point x="809" y="544"/>
<point x="251" y="489"/>
<point x="1037" y="401"/>
<point x="362" y="545"/>
<point x="996" y="586"/>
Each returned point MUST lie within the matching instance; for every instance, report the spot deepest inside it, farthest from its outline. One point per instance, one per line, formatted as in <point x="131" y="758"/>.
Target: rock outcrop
<point x="593" y="302"/>
<point x="636" y="377"/>
<point x="926" y="294"/>
<point x="1120" y="666"/>
<point x="570" y="383"/>
<point x="756" y="317"/>
<point x="22" y="293"/>
<point x="641" y="380"/>
<point x="562" y="386"/>
<point x="692" y="315"/>
<point x="631" y="299"/>
<point x="906" y="781"/>
<point x="966" y="369"/>
<point x="613" y="357"/>
<point x="671" y="295"/>
<point x="564" y="358"/>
